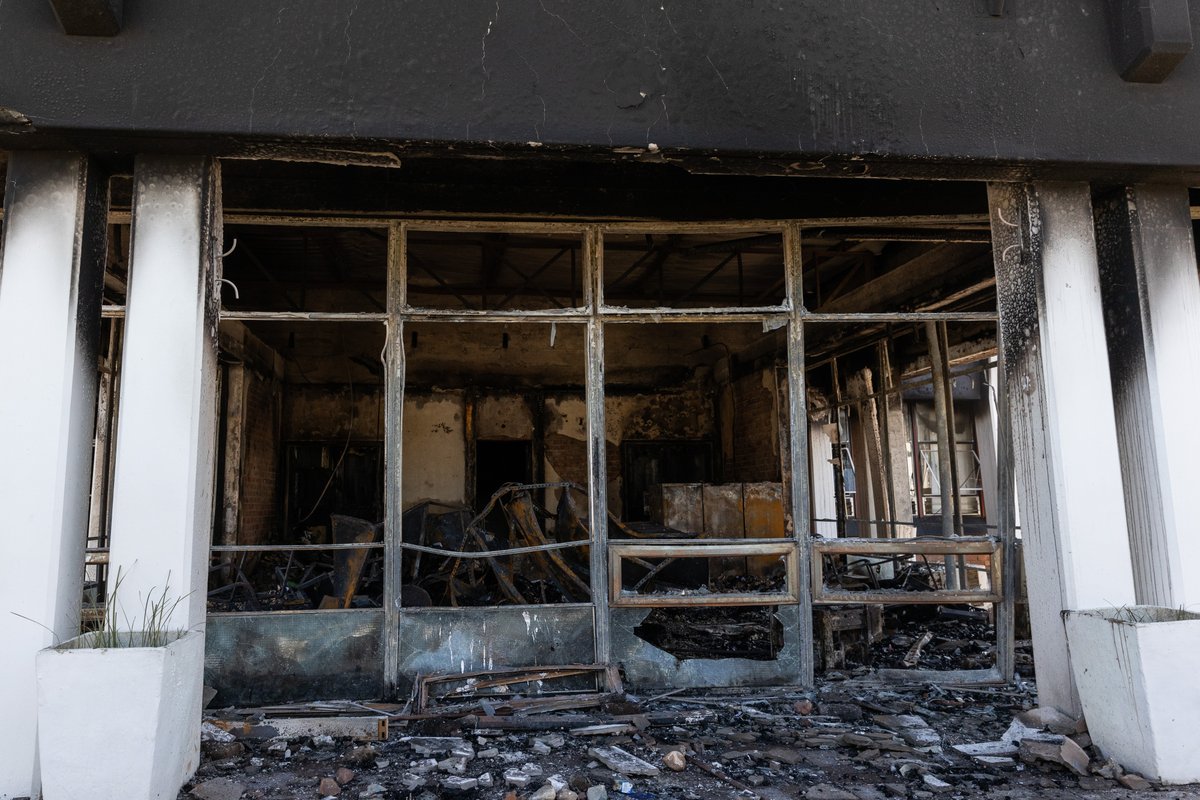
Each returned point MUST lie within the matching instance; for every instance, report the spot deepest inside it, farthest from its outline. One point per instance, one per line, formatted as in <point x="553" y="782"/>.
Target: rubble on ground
<point x="847" y="740"/>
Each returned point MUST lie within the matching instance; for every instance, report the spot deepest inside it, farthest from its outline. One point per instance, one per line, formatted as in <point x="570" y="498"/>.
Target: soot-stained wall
<point x="869" y="80"/>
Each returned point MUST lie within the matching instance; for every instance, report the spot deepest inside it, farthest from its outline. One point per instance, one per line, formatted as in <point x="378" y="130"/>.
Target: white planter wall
<point x="119" y="724"/>
<point x="1136" y="668"/>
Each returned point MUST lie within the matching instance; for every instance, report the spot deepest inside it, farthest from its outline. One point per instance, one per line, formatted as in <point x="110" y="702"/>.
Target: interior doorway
<point x="498" y="462"/>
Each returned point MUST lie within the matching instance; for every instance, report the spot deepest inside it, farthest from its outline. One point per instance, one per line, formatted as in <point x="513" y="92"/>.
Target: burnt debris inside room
<point x="489" y="390"/>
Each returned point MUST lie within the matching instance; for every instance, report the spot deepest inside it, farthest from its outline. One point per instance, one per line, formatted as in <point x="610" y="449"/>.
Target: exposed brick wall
<point x="755" y="440"/>
<point x="259" y="508"/>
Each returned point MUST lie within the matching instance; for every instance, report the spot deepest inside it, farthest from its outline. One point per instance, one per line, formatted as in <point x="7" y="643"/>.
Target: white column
<point x="163" y="475"/>
<point x="824" y="487"/>
<point x="1060" y="399"/>
<point x="51" y="274"/>
<point x="1152" y="307"/>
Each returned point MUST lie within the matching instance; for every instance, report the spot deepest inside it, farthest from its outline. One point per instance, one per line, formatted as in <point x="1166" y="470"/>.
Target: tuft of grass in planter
<point x="157" y="610"/>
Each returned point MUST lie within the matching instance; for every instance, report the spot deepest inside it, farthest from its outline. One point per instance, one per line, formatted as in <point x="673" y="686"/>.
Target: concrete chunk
<point x="1065" y="753"/>
<point x="435" y="745"/>
<point x="1051" y="719"/>
<point x="620" y="761"/>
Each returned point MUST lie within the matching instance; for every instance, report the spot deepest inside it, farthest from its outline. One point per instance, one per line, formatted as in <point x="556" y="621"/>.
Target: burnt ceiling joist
<point x="584" y="189"/>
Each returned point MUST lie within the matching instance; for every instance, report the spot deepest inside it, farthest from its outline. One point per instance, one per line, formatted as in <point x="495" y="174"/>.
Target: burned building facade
<point x="695" y="341"/>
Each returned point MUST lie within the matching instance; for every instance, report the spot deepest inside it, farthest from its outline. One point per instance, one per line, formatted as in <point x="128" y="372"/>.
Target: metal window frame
<point x="595" y="315"/>
<point x="702" y="548"/>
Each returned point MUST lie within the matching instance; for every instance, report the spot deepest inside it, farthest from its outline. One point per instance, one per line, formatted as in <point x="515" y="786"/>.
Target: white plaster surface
<point x="46" y="427"/>
<point x="824" y="487"/>
<point x="163" y="476"/>
<point x="120" y="724"/>
<point x="1138" y="685"/>
<point x="503" y="417"/>
<point x="435" y="462"/>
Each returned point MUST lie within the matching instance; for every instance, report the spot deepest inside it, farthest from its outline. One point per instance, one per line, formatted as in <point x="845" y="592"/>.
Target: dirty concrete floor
<point x="845" y="741"/>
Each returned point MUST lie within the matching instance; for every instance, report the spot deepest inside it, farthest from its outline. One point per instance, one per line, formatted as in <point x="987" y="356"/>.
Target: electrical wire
<point x="346" y="447"/>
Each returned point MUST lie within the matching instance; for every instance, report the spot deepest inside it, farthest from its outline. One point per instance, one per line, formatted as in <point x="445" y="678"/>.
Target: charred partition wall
<point x="476" y="443"/>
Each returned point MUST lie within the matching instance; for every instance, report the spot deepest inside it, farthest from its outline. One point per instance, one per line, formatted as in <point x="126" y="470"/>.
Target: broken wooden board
<point x="365" y="728"/>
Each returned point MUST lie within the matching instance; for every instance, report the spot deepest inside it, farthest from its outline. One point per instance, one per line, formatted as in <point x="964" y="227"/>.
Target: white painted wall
<point x="503" y="417"/>
<point x="435" y="456"/>
<point x="166" y="431"/>
<point x="48" y="356"/>
<point x="824" y="485"/>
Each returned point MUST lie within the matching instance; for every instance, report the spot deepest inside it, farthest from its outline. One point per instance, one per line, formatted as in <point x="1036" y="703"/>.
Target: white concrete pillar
<point x="1152" y="309"/>
<point x="987" y="436"/>
<point x="823" y="493"/>
<point x="166" y="428"/>
<point x="51" y="273"/>
<point x="1068" y="472"/>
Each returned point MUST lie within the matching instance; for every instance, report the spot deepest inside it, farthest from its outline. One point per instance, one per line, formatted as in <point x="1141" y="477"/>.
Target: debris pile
<point x="535" y="734"/>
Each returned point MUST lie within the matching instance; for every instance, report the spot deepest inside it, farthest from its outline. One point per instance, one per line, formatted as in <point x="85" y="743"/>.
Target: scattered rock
<point x="218" y="789"/>
<point x="374" y="790"/>
<point x="899" y="722"/>
<point x="457" y="783"/>
<point x="540" y="748"/>
<point x="1051" y="719"/>
<point x="923" y="738"/>
<point x="827" y="791"/>
<point x="412" y="781"/>
<point x="328" y="787"/>
<point x="1018" y="732"/>
<point x="485" y="779"/>
<point x="675" y="761"/>
<point x="787" y="755"/>
<point x="211" y="733"/>
<point x="857" y="740"/>
<point x="434" y="745"/>
<point x="546" y="792"/>
<point x="625" y="763"/>
<point x="597" y="793"/>
<point x="517" y="777"/>
<point x="567" y="794"/>
<point x="1131" y="780"/>
<point x="1064" y="752"/>
<point x="847" y="712"/>
<point x="803" y="707"/>
<point x="362" y="756"/>
<point x="980" y="750"/>
<point x="219" y="751"/>
<point x="322" y="740"/>
<point x="454" y="765"/>
<point x="936" y="784"/>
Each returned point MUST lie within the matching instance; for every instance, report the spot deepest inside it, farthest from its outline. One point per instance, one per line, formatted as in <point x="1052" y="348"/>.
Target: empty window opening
<point x="495" y="461"/>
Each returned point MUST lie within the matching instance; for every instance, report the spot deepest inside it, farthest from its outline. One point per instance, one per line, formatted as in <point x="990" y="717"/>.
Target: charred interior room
<point x="576" y="439"/>
<point x="767" y="381"/>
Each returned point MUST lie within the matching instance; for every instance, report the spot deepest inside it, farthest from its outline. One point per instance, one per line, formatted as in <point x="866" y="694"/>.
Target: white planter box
<point x="1137" y="671"/>
<point x="119" y="723"/>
